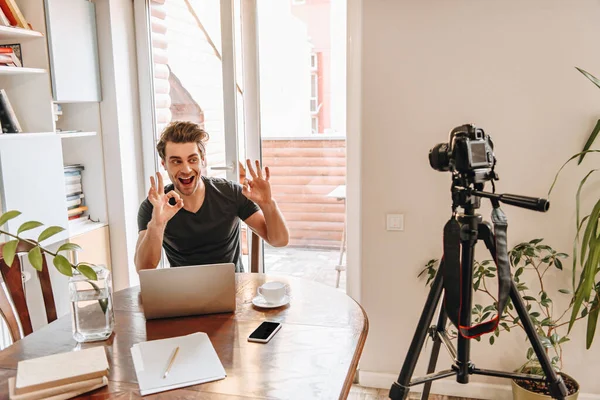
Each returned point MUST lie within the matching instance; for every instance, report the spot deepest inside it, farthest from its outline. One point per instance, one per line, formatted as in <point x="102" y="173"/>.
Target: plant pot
<point x="520" y="393"/>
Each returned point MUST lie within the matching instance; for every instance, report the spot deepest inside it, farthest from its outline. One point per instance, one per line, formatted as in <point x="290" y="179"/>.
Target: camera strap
<point x="451" y="267"/>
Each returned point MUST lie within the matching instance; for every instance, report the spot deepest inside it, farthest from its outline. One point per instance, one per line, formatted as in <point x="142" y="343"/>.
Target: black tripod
<point x="472" y="229"/>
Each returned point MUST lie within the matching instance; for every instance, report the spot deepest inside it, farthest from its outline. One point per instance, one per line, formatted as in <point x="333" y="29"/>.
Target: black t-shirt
<point x="209" y="236"/>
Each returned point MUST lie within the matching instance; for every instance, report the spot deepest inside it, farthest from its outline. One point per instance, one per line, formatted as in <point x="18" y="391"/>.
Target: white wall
<point x="507" y="67"/>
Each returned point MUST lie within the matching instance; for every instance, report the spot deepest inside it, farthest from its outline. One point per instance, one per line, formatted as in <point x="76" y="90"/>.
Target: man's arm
<point x="269" y="224"/>
<point x="149" y="246"/>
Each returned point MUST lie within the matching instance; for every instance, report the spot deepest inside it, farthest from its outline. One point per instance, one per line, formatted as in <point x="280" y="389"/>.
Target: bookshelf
<point x="59" y="60"/>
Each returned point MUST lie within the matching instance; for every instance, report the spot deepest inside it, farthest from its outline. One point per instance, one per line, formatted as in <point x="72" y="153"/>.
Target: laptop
<point x="192" y="290"/>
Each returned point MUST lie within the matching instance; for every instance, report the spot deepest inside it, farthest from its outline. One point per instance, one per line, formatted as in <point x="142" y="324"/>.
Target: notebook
<point x="196" y="362"/>
<point x="60" y="369"/>
<point x="63" y="392"/>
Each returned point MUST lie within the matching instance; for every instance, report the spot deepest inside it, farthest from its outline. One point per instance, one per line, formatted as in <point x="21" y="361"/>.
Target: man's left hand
<point x="257" y="189"/>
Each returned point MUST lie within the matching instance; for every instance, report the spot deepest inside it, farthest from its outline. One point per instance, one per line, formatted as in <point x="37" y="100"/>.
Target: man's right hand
<point x="162" y="211"/>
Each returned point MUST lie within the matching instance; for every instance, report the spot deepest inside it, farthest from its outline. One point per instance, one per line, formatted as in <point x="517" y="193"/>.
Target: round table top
<point x="314" y="355"/>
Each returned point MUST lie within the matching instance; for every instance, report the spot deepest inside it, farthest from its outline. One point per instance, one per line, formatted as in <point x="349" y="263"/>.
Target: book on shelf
<point x="8" y="118"/>
<point x="13" y="14"/>
<point x="76" y="208"/>
<point x="3" y="20"/>
<point x="57" y="374"/>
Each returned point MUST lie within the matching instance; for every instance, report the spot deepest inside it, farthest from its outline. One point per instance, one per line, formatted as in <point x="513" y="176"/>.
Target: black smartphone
<point x="264" y="332"/>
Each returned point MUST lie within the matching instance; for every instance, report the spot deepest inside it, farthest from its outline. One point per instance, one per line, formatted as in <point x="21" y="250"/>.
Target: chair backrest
<point x="13" y="280"/>
<point x="254" y="246"/>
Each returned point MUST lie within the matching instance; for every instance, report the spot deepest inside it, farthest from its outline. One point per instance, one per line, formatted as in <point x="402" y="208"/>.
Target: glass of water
<point x="91" y="306"/>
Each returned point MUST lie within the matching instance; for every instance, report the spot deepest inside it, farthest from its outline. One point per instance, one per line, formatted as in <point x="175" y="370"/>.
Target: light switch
<point x="395" y="222"/>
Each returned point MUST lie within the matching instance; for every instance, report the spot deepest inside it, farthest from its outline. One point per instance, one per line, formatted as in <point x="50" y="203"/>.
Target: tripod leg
<point x="435" y="351"/>
<point x="558" y="389"/>
<point x="400" y="388"/>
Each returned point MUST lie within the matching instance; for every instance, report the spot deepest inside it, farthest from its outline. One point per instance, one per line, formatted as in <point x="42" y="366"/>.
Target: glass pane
<point x="186" y="51"/>
<point x="303" y="132"/>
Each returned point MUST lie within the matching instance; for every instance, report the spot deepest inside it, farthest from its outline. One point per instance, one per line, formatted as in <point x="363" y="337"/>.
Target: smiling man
<point x="197" y="218"/>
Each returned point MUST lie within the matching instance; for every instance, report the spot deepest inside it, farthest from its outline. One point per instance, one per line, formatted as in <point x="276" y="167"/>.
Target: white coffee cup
<point x="273" y="292"/>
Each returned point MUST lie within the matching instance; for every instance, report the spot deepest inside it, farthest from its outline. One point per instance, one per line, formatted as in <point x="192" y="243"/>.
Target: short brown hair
<point x="182" y="132"/>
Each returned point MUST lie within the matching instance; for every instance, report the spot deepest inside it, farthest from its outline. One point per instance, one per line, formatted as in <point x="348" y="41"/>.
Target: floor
<point x="361" y="393"/>
<point x="319" y="265"/>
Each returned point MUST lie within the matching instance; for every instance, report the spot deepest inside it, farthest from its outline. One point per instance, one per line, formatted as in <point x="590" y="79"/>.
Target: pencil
<point x="171" y="362"/>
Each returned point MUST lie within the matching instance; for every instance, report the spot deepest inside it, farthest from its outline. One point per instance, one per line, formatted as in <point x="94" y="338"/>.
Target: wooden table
<point x="313" y="356"/>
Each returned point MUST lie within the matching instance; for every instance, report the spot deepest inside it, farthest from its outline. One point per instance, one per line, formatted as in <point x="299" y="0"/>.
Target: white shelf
<point x="11" y="32"/>
<point x="4" y="70"/>
<point x="79" y="228"/>
<point x="23" y="135"/>
<point x="75" y="134"/>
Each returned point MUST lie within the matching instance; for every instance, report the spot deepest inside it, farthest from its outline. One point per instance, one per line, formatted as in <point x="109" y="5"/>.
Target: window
<point x="314" y="64"/>
<point x="314" y="124"/>
<point x="314" y="93"/>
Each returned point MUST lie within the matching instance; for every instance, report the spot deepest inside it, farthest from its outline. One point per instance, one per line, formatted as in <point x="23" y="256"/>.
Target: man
<point x="197" y="218"/>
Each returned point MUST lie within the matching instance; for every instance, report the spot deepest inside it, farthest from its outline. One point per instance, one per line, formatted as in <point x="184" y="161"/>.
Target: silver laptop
<point x="193" y="290"/>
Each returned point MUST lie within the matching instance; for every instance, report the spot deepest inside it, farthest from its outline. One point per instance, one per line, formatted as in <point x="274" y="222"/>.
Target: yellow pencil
<point x="171" y="362"/>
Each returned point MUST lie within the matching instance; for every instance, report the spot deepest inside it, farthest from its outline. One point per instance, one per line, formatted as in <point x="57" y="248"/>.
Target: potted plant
<point x="90" y="285"/>
<point x="530" y="262"/>
<point x="586" y="244"/>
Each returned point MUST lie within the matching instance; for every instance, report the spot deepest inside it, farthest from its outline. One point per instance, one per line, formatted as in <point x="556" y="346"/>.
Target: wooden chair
<point x="13" y="280"/>
<point x="254" y="245"/>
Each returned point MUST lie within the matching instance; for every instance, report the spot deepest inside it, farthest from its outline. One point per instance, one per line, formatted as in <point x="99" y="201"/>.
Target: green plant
<point x="586" y="248"/>
<point x="62" y="263"/>
<point x="530" y="262"/>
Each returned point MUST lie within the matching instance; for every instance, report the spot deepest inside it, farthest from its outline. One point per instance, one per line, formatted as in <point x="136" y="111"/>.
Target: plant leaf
<point x="49" y="232"/>
<point x="87" y="271"/>
<point x="590" y="140"/>
<point x="68" y="246"/>
<point x="7" y="216"/>
<point x="591" y="77"/>
<point x="591" y="326"/>
<point x="591" y="227"/>
<point x="28" y="226"/>
<point x="63" y="265"/>
<point x="9" y="251"/>
<point x="565" y="291"/>
<point x="565" y="164"/>
<point x="35" y="258"/>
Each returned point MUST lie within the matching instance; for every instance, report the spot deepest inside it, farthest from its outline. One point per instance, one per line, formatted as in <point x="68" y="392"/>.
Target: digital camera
<point x="469" y="151"/>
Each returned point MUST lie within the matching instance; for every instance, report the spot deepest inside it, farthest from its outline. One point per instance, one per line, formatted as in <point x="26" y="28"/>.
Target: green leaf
<point x="590" y="140"/>
<point x="591" y="77"/>
<point x="7" y="216"/>
<point x="9" y="251"/>
<point x="68" y="246"/>
<point x="63" y="265"/>
<point x="492" y="339"/>
<point x="564" y="165"/>
<point x="564" y="339"/>
<point x="49" y="232"/>
<point x="535" y="314"/>
<point x="590" y="228"/>
<point x="536" y="241"/>
<point x="28" y="226"/>
<point x="530" y="298"/>
<point x="558" y="264"/>
<point x="519" y="272"/>
<point x="35" y="258"/>
<point x="565" y="291"/>
<point x="529" y="353"/>
<point x="87" y="271"/>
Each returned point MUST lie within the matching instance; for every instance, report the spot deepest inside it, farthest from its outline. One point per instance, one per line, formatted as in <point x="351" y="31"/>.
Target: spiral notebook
<point x="196" y="362"/>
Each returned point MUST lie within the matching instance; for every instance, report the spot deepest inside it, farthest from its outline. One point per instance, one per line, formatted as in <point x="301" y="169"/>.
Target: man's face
<point x="182" y="162"/>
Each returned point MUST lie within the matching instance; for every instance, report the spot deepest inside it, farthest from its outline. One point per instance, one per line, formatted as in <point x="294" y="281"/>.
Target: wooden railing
<point x="303" y="173"/>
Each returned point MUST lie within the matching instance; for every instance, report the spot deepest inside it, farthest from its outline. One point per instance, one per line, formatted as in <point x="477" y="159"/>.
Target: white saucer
<point x="260" y="301"/>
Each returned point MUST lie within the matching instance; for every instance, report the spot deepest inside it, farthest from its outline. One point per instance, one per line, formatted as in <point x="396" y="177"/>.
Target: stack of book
<point x="8" y="118"/>
<point x="9" y="58"/>
<point x="76" y="207"/>
<point x="60" y="376"/>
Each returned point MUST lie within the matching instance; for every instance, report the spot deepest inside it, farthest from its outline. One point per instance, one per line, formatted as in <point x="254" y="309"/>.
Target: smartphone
<point x="264" y="332"/>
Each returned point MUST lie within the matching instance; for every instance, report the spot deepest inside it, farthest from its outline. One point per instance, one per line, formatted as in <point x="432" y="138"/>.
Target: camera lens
<point x="439" y="158"/>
